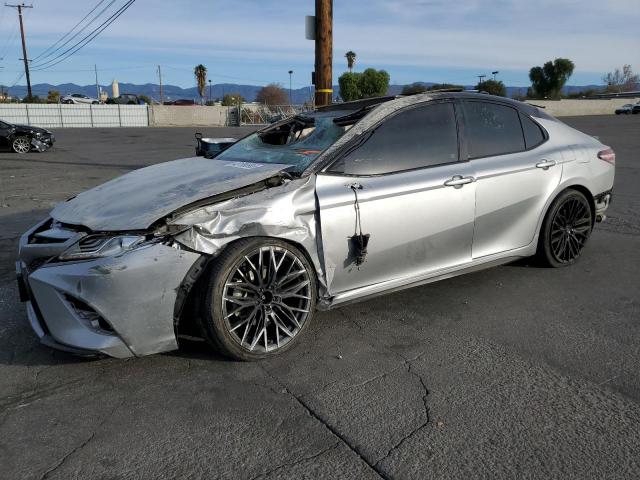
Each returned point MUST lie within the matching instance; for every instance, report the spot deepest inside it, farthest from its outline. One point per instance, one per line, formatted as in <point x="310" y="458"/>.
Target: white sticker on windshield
<point x="245" y="165"/>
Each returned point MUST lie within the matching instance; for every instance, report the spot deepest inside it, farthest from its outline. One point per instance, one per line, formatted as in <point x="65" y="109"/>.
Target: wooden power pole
<point x="24" y="46"/>
<point x="324" y="52"/>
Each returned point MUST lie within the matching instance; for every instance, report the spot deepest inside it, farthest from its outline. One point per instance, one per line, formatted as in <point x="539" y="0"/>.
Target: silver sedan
<point x="334" y="206"/>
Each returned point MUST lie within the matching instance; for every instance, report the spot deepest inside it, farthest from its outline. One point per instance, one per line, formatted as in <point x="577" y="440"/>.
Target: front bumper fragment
<point x="120" y="306"/>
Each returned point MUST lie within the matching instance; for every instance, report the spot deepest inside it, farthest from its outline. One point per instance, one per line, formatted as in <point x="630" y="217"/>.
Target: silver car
<point x="79" y="98"/>
<point x="319" y="210"/>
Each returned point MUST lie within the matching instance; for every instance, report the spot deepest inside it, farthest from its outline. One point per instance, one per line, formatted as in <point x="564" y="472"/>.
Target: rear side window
<point x="533" y="134"/>
<point x="492" y="129"/>
<point x="419" y="137"/>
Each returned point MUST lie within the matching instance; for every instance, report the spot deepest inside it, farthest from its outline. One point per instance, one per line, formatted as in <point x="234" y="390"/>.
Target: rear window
<point x="533" y="134"/>
<point x="492" y="129"/>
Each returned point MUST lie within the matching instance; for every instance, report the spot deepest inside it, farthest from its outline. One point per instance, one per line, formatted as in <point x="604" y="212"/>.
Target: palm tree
<point x="201" y="79"/>
<point x="351" y="59"/>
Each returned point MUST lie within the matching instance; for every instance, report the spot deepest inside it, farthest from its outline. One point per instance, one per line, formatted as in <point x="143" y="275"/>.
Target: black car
<point x="23" y="138"/>
<point x="636" y="109"/>
<point x="125" y="99"/>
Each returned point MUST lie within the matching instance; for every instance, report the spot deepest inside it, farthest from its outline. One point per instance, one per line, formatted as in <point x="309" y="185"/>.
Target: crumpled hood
<point x="136" y="200"/>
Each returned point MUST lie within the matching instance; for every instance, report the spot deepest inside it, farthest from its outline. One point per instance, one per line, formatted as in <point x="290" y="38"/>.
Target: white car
<point x="79" y="98"/>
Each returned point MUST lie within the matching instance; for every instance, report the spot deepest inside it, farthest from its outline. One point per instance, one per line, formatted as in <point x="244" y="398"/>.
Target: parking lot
<point x="512" y="372"/>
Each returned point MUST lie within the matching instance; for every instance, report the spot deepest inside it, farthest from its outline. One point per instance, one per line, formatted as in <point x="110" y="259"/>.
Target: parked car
<point x="182" y="102"/>
<point x="23" y="138"/>
<point x="636" y="109"/>
<point x="210" y="147"/>
<point x="625" y="109"/>
<point x="79" y="98"/>
<point x="319" y="210"/>
<point x="126" y="99"/>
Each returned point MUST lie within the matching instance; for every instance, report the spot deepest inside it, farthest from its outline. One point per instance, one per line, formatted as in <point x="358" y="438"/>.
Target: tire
<point x="95" y="103"/>
<point x="21" y="145"/>
<point x="565" y="230"/>
<point x="249" y="316"/>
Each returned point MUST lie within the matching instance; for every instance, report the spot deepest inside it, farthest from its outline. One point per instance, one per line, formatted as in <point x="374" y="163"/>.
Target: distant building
<point x="115" y="89"/>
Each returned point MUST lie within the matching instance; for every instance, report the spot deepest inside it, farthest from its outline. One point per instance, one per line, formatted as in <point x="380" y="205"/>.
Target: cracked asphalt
<point x="514" y="372"/>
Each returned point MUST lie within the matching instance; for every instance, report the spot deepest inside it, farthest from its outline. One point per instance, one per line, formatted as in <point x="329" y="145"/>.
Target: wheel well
<point x="585" y="191"/>
<point x="187" y="309"/>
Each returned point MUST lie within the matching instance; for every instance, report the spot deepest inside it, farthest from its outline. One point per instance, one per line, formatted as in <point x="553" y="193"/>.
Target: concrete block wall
<point x="188" y="116"/>
<point x="567" y="108"/>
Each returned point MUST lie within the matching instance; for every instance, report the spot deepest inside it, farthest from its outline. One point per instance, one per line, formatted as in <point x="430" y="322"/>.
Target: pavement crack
<point x="411" y="370"/>
<point x="331" y="429"/>
<point x="86" y="442"/>
<point x="297" y="462"/>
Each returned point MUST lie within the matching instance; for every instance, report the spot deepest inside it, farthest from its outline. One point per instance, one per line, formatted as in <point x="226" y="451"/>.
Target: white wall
<point x="188" y="116"/>
<point x="566" y="108"/>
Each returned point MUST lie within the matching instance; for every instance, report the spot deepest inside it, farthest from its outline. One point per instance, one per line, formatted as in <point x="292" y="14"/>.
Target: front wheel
<point x="565" y="230"/>
<point x="21" y="145"/>
<point x="260" y="299"/>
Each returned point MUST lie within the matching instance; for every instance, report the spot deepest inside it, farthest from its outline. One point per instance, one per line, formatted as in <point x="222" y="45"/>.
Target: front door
<point x="416" y="201"/>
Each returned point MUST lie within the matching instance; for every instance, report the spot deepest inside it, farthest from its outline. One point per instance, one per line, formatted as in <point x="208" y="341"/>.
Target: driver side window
<point x="417" y="137"/>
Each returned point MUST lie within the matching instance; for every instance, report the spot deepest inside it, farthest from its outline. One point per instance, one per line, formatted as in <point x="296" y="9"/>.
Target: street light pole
<point x="210" y="99"/>
<point x="494" y="75"/>
<point x="290" y="97"/>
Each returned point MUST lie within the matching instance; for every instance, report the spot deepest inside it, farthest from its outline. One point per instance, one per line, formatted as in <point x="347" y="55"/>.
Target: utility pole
<point x="95" y="69"/>
<point x="494" y="75"/>
<point x="210" y="99"/>
<point x="324" y="52"/>
<point x="24" y="46"/>
<point x="481" y="78"/>
<point x="160" y="81"/>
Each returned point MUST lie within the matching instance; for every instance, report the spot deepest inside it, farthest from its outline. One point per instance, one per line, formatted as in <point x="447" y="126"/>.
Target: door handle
<point x="458" y="181"/>
<point x="545" y="164"/>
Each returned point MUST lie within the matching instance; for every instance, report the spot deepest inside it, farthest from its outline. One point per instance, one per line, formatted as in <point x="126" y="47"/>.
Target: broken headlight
<point x="97" y="246"/>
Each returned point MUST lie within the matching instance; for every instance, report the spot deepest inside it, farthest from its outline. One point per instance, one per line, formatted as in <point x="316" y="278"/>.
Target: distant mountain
<point x="249" y="92"/>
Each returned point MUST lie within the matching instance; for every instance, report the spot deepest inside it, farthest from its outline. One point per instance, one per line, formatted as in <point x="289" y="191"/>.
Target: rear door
<point x="416" y="200"/>
<point x="516" y="171"/>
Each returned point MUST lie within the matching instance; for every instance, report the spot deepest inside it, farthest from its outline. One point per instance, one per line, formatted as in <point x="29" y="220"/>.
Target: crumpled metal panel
<point x="287" y="212"/>
<point x="136" y="200"/>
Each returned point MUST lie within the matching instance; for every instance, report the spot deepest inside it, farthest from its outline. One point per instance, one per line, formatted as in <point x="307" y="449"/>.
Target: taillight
<point x="607" y="155"/>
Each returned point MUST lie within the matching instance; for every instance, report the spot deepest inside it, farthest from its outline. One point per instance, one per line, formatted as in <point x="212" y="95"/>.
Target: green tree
<point x="351" y="59"/>
<point x="547" y="81"/>
<point x="200" y="72"/>
<point x="373" y="83"/>
<point x="53" y="96"/>
<point x="494" y="87"/>
<point x="370" y="83"/>
<point x="414" y="88"/>
<point x="231" y="99"/>
<point x="349" y="90"/>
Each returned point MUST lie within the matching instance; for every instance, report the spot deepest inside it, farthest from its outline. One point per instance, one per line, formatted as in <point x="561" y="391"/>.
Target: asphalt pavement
<point x="512" y="372"/>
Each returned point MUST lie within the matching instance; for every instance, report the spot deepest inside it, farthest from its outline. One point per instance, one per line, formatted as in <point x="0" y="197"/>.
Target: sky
<point x="257" y="42"/>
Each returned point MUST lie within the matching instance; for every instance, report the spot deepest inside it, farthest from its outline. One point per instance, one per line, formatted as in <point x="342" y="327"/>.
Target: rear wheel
<point x="260" y="297"/>
<point x="21" y="144"/>
<point x="565" y="230"/>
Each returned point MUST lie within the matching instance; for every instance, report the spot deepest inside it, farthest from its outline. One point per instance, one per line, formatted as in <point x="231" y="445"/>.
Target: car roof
<point x="525" y="108"/>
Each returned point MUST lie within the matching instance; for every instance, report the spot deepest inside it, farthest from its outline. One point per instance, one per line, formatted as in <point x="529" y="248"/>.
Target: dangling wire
<point x="359" y="241"/>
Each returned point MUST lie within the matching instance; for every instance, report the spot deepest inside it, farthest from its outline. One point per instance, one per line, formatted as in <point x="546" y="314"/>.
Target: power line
<point x="85" y="41"/>
<point x="45" y="52"/>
